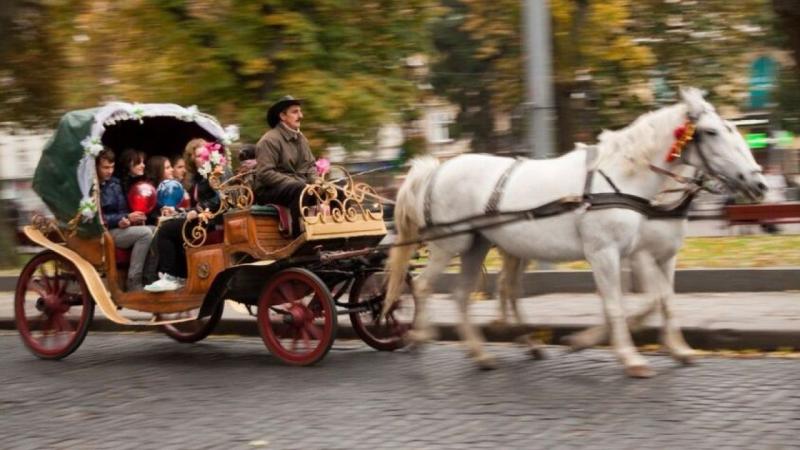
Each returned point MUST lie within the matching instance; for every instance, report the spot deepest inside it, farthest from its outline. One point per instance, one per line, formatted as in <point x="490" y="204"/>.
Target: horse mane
<point x="632" y="146"/>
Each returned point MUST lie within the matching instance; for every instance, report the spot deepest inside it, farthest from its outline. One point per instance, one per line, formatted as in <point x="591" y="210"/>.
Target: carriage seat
<point x="123" y="255"/>
<point x="282" y="213"/>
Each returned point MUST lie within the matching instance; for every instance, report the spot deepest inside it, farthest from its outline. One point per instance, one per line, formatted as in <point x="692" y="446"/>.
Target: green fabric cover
<point x="263" y="210"/>
<point x="56" y="179"/>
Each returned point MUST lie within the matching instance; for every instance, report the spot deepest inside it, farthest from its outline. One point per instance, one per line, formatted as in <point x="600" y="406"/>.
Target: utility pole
<point x="539" y="78"/>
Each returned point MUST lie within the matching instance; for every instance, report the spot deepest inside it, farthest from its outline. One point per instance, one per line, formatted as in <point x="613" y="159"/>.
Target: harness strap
<point x="429" y="199"/>
<point x="611" y="200"/>
<point x="591" y="155"/>
<point x="611" y="183"/>
<point x="497" y="194"/>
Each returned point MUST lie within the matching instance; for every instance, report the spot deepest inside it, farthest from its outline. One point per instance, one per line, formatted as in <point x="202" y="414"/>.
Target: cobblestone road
<point x="138" y="391"/>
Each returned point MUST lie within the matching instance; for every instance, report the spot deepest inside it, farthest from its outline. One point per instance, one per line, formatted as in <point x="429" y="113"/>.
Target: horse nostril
<point x="762" y="187"/>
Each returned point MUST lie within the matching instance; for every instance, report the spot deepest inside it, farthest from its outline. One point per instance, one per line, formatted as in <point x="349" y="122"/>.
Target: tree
<point x="788" y="13"/>
<point x="607" y="54"/>
<point x="234" y="57"/>
<point x="30" y="64"/>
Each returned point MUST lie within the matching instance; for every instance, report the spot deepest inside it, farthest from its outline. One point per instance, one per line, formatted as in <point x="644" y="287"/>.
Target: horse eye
<point x="710" y="132"/>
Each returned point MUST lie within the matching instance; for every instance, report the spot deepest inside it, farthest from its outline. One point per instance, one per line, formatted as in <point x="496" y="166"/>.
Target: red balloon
<point x="142" y="197"/>
<point x="185" y="203"/>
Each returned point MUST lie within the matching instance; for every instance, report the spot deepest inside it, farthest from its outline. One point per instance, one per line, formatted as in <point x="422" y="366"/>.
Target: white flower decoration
<point x="92" y="146"/>
<point x="138" y="113"/>
<point x="191" y="114"/>
<point x="231" y="135"/>
<point x="215" y="157"/>
<point x="88" y="208"/>
<point x="205" y="169"/>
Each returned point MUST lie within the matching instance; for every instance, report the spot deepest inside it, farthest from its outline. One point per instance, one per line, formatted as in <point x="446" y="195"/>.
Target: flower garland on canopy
<point x="114" y="112"/>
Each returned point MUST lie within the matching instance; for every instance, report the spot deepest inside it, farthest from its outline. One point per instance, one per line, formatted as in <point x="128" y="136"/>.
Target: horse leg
<point x="671" y="335"/>
<point x="598" y="335"/>
<point x="508" y="281"/>
<point x="516" y="288"/>
<point x="438" y="259"/>
<point x="471" y="263"/>
<point x="605" y="264"/>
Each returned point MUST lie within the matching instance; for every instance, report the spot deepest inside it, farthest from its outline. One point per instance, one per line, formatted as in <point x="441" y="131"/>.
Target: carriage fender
<point x="238" y="282"/>
<point x="94" y="282"/>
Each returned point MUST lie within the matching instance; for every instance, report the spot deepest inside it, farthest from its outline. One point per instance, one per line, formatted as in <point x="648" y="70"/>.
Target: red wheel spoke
<point x="63" y="323"/>
<point x="313" y="330"/>
<point x="37" y="287"/>
<point x="48" y="287"/>
<point x="56" y="276"/>
<point x="306" y="339"/>
<point x="38" y="323"/>
<point x="287" y="292"/>
<point x="303" y="290"/>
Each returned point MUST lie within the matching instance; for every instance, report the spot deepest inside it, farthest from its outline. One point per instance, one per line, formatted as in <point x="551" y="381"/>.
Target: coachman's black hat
<point x="274" y="112"/>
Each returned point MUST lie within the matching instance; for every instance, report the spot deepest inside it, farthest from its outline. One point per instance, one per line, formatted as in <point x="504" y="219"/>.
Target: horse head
<point x="716" y="147"/>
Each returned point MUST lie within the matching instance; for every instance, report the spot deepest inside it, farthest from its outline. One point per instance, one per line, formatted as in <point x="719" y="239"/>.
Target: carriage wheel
<point x="297" y="317"/>
<point x="385" y="334"/>
<point x="194" y="330"/>
<point x="52" y="306"/>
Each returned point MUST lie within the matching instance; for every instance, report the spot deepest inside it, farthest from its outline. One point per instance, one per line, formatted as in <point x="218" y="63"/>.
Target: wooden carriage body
<point x="250" y="234"/>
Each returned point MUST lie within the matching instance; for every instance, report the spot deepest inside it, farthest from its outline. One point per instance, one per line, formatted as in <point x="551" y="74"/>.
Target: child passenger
<point x="158" y="169"/>
<point x="125" y="227"/>
<point x="169" y="238"/>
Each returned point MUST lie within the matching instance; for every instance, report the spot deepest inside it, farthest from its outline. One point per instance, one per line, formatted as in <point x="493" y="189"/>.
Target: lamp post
<point x="539" y="79"/>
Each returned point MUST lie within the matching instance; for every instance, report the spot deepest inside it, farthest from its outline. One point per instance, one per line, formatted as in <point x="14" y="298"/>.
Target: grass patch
<point x="710" y="252"/>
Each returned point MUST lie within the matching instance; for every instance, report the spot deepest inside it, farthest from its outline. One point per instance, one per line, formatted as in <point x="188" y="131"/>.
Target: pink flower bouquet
<point x="213" y="156"/>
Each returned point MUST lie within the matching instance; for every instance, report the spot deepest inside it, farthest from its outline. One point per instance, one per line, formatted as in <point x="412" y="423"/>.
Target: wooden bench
<point x="763" y="213"/>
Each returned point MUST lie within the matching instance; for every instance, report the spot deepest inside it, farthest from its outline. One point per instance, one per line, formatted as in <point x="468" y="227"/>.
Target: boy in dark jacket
<point x="119" y="221"/>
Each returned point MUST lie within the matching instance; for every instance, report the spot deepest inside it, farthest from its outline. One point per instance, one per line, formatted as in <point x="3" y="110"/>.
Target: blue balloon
<point x="170" y="193"/>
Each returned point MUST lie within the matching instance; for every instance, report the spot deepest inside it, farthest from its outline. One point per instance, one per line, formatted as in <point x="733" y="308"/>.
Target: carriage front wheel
<point x="366" y="298"/>
<point x="297" y="317"/>
<point x="193" y="331"/>
<point x="52" y="306"/>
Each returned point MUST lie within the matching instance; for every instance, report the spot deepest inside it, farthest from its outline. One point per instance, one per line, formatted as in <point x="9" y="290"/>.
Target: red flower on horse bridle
<point x="683" y="134"/>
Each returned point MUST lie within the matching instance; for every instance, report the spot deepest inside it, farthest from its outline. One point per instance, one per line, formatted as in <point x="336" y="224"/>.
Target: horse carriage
<point x="296" y="287"/>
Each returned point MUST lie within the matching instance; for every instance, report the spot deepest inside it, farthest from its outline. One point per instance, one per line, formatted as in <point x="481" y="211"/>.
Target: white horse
<point x="462" y="187"/>
<point x="652" y="264"/>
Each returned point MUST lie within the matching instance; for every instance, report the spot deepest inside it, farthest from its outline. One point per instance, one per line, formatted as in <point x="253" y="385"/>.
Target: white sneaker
<point x="166" y="283"/>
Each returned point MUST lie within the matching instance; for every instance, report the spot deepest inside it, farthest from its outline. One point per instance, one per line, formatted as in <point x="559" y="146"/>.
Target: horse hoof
<point x="640" y="372"/>
<point x="418" y="337"/>
<point x="486" y="362"/>
<point x="538" y="354"/>
<point x="573" y="344"/>
<point x="686" y="359"/>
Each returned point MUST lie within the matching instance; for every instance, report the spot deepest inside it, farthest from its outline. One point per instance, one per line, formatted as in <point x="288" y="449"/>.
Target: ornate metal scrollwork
<point x="340" y="200"/>
<point x="233" y="193"/>
<point x="47" y="226"/>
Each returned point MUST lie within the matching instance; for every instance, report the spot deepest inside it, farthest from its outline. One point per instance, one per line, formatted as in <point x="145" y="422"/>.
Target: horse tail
<point x="407" y="221"/>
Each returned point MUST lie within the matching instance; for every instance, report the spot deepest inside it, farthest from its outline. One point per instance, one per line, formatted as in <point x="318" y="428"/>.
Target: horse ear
<point x="693" y="99"/>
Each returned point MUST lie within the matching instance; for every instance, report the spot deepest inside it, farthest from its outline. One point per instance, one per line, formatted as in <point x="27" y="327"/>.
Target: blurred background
<point x="387" y="80"/>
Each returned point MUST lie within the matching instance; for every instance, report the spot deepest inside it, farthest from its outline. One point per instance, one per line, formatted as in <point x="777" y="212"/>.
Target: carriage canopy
<point x="66" y="174"/>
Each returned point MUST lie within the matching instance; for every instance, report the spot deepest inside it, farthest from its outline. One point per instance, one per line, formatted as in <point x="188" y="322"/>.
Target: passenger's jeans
<point x="137" y="237"/>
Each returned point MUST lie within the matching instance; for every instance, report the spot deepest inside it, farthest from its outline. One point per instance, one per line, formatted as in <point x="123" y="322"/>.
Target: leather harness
<point x="493" y="217"/>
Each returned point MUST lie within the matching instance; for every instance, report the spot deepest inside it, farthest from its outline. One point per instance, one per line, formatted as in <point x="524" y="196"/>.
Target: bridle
<point x="688" y="138"/>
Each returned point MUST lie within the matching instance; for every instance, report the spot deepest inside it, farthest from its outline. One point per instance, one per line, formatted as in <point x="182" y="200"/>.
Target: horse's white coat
<point x="462" y="187"/>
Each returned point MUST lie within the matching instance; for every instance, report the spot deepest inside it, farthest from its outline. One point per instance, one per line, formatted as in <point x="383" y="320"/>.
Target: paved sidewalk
<point x="757" y="320"/>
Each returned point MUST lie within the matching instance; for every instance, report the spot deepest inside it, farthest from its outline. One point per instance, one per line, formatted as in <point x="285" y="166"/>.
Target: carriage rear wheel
<point x="297" y="317"/>
<point x="194" y="330"/>
<point x="385" y="334"/>
<point x="52" y="306"/>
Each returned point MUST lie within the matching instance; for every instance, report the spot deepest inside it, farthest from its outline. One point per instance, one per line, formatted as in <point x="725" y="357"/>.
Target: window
<point x="439" y="127"/>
